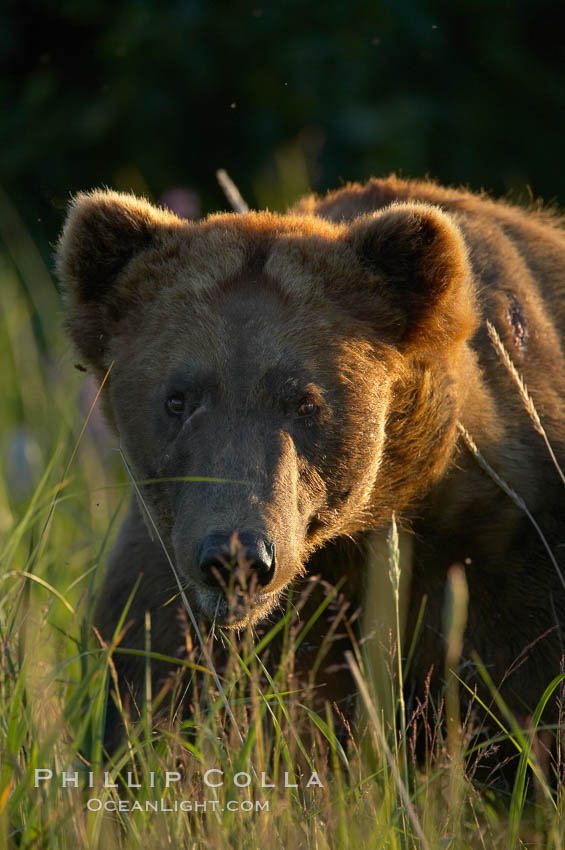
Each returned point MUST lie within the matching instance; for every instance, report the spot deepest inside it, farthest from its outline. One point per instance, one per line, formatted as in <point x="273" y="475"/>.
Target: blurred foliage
<point x="287" y="95"/>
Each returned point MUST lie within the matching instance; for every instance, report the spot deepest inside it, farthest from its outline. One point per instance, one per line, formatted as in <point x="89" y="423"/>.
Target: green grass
<point x="62" y="493"/>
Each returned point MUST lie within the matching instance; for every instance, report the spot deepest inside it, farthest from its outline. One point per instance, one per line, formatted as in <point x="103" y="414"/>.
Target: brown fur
<point x="371" y="304"/>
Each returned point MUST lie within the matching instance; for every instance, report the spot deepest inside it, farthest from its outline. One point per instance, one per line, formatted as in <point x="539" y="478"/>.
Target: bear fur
<point x="322" y="361"/>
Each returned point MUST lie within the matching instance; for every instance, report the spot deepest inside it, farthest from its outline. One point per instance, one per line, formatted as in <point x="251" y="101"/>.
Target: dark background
<point x="153" y="96"/>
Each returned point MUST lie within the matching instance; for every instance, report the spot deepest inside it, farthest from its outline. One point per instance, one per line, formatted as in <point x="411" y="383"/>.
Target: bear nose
<point x="236" y="560"/>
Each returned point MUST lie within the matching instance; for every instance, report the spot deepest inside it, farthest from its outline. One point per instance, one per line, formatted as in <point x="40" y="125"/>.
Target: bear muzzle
<point x="238" y="560"/>
<point x="232" y="575"/>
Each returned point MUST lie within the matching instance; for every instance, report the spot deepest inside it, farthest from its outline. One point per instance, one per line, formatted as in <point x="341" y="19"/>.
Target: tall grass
<point x="62" y="495"/>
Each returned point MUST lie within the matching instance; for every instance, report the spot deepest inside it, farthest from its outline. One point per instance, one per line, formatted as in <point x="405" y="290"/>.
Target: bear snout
<point x="241" y="561"/>
<point x="233" y="574"/>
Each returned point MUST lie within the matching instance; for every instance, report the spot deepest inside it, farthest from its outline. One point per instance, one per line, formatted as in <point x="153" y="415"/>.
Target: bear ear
<point x="104" y="230"/>
<point x="418" y="267"/>
<point x="102" y="233"/>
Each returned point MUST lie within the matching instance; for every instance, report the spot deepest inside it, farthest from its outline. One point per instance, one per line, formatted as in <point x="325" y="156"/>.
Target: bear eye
<point x="307" y="408"/>
<point x="176" y="404"/>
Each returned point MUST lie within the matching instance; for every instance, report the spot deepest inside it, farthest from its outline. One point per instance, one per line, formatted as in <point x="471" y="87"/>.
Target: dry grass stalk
<point x="518" y="501"/>
<point x="373" y="715"/>
<point x="524" y="394"/>
<point x="231" y="191"/>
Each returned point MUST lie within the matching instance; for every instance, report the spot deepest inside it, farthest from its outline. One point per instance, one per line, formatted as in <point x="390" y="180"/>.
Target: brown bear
<point x="308" y="372"/>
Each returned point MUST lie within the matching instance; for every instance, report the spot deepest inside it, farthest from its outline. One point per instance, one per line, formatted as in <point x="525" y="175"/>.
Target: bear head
<point x="276" y="381"/>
